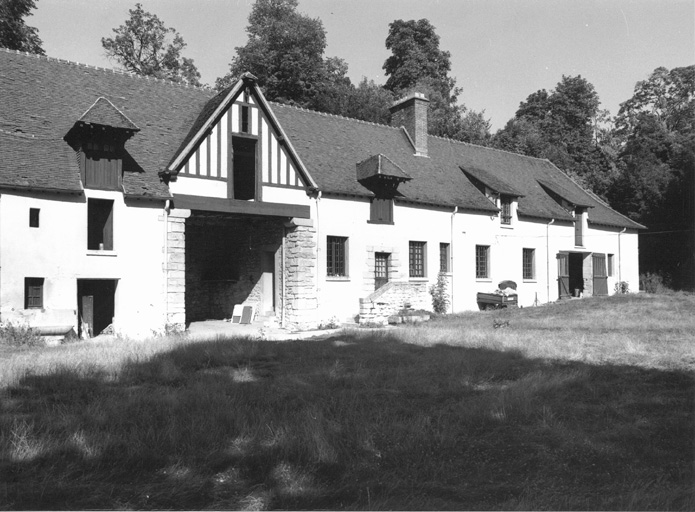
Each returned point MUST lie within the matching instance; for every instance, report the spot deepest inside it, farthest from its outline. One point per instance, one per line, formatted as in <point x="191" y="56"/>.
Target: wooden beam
<point x="216" y="204"/>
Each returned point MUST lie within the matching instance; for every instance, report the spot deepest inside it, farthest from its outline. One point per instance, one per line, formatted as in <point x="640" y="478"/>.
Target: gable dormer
<point x="501" y="194"/>
<point x="99" y="138"/>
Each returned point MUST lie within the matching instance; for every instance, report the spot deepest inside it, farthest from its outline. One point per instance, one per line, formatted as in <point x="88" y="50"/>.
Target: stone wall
<point x="299" y="300"/>
<point x="176" y="270"/>
<point x="392" y="298"/>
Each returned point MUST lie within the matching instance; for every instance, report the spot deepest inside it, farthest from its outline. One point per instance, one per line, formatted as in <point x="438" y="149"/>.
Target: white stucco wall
<point x="348" y="217"/>
<point x="57" y="251"/>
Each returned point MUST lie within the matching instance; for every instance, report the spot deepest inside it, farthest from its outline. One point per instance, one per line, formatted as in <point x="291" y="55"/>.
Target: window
<point x="34" y="217"/>
<point x="610" y="265"/>
<point x="102" y="166"/>
<point x="336" y="256"/>
<point x="482" y="261"/>
<point x="244" y="168"/>
<point x="417" y="259"/>
<point x="506" y="205"/>
<point x="444" y="258"/>
<point x="381" y="211"/>
<point x="245" y="119"/>
<point x="33" y="293"/>
<point x="99" y="225"/>
<point x="529" y="264"/>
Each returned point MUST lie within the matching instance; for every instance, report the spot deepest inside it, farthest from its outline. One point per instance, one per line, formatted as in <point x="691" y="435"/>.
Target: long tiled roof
<point x="44" y="97"/>
<point x="330" y="146"/>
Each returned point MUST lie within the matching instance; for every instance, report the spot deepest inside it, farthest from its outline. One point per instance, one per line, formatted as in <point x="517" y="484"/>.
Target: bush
<point x="622" y="287"/>
<point x="440" y="295"/>
<point x="653" y="283"/>
<point x="19" y="335"/>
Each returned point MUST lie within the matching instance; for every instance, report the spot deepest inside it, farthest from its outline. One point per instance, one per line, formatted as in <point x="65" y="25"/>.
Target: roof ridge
<point x="337" y="116"/>
<point x="109" y="70"/>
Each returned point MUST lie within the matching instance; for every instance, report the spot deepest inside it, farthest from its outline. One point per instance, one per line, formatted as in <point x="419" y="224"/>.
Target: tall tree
<point x="657" y="182"/>
<point x="285" y="52"/>
<point x="14" y="33"/>
<point x="561" y="125"/>
<point x="417" y="64"/>
<point x="147" y="47"/>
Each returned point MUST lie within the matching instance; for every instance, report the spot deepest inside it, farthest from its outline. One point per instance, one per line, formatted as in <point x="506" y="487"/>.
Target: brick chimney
<point x="411" y="113"/>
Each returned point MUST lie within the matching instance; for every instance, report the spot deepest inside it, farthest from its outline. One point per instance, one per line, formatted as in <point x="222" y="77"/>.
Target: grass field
<point x="585" y="405"/>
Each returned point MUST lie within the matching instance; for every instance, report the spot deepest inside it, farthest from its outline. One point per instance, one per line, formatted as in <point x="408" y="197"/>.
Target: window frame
<point x="482" y="262"/>
<point x="417" y="259"/>
<point x="610" y="261"/>
<point x="100" y="224"/>
<point x="33" y="292"/>
<point x="336" y="267"/>
<point x="34" y="217"/>
<point x="528" y="264"/>
<point x="506" y="210"/>
<point x="445" y="257"/>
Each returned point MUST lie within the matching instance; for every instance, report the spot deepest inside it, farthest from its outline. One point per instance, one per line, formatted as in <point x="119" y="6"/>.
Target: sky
<point x="501" y="50"/>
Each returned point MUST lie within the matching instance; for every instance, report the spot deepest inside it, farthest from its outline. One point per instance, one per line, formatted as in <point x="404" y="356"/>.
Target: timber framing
<point x="213" y="204"/>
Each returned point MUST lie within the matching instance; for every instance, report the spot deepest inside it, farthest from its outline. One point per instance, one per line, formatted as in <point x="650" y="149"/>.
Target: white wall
<point x="57" y="251"/>
<point x="348" y="217"/>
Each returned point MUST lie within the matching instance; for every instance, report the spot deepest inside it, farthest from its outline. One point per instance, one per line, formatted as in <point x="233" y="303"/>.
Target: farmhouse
<point x="148" y="205"/>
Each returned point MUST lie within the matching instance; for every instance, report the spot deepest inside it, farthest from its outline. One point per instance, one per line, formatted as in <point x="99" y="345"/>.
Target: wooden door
<point x="598" y="262"/>
<point x="563" y="275"/>
<point x="381" y="269"/>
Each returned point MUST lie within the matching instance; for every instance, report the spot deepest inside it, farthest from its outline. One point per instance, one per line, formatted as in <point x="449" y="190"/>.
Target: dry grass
<point x="587" y="405"/>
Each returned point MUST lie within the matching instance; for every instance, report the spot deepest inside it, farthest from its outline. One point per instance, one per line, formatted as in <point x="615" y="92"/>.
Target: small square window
<point x="482" y="261"/>
<point x="33" y="293"/>
<point x="34" y="217"/>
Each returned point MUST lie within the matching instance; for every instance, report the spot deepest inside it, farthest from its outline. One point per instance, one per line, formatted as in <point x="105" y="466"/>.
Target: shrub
<point x="622" y="287"/>
<point x="653" y="283"/>
<point x="440" y="294"/>
<point x="19" y="335"/>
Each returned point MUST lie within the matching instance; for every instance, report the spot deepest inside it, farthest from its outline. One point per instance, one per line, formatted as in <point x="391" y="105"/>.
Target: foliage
<point x="440" y="294"/>
<point x="19" y="335"/>
<point x="622" y="287"/>
<point x="417" y="64"/>
<point x="567" y="127"/>
<point x="284" y="52"/>
<point x="145" y="46"/>
<point x="653" y="283"/>
<point x="14" y="33"/>
<point x="656" y="186"/>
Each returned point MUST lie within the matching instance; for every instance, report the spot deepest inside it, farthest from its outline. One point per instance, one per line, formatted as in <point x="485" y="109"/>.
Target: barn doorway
<point x="570" y="274"/>
<point x="96" y="301"/>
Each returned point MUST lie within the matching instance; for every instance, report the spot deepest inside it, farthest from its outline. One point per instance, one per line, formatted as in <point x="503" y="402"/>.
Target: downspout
<point x="451" y="256"/>
<point x="318" y="249"/>
<point x="165" y="266"/>
<point x="620" y="261"/>
<point x="547" y="259"/>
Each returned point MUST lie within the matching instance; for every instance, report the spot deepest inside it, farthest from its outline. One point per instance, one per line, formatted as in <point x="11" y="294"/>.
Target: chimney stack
<point x="411" y="113"/>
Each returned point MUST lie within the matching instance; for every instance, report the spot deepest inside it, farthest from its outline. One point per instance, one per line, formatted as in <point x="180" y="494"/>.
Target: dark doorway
<point x="576" y="277"/>
<point x="96" y="304"/>
<point x="381" y="269"/>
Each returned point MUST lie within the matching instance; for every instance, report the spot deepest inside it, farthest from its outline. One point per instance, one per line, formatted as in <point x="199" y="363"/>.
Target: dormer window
<point x="381" y="176"/>
<point x="102" y="166"/>
<point x="506" y="210"/>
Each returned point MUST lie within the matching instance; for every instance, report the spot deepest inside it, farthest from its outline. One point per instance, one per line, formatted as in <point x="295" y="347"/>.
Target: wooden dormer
<point x="99" y="138"/>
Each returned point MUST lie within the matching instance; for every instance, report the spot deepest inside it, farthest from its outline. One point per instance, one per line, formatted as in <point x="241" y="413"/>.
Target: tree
<point x="656" y="185"/>
<point x="417" y="64"/>
<point x="563" y="125"/>
<point x="145" y="46"/>
<point x="285" y="52"/>
<point x="14" y="33"/>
